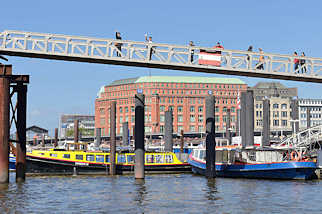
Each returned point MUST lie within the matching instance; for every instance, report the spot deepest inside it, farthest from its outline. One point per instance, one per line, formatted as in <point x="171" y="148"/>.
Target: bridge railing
<point x="54" y="45"/>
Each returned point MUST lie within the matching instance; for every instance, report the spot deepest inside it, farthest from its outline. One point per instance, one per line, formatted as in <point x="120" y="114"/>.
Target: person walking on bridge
<point x="302" y="63"/>
<point x="192" y="51"/>
<point x="118" y="45"/>
<point x="260" y="64"/>
<point x="296" y="62"/>
<point x="149" y="40"/>
<point x="250" y="49"/>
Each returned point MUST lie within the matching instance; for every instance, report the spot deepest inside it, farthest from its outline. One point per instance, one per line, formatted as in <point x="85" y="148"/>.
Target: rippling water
<point x="174" y="193"/>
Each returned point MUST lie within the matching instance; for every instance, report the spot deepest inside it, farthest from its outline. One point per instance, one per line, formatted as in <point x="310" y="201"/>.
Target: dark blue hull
<point x="285" y="170"/>
<point x="12" y="162"/>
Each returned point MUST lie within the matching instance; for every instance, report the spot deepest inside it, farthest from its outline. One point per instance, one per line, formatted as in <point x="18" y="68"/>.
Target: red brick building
<point x="184" y="95"/>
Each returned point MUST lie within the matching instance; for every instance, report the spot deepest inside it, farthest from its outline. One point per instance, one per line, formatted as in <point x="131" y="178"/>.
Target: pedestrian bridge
<point x="306" y="141"/>
<point x="163" y="56"/>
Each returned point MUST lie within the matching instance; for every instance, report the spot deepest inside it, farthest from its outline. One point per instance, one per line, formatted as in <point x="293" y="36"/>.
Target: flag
<point x="207" y="58"/>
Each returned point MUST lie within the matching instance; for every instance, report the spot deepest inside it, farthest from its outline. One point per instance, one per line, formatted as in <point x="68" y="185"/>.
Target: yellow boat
<point x="88" y="162"/>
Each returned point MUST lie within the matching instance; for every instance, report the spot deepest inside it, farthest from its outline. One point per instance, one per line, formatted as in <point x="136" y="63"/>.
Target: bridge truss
<point x="163" y="56"/>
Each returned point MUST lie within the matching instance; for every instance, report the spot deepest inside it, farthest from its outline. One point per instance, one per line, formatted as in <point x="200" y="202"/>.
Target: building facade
<point x="315" y="109"/>
<point x="185" y="96"/>
<point x="280" y="98"/>
<point x="86" y="125"/>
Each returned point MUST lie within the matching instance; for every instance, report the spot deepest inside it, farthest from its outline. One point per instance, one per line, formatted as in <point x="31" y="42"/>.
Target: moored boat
<point x="12" y="162"/>
<point x="255" y="163"/>
<point x="88" y="162"/>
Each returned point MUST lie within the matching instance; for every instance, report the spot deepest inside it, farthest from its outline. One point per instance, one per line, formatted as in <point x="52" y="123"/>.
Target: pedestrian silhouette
<point x="118" y="45"/>
<point x="302" y="63"/>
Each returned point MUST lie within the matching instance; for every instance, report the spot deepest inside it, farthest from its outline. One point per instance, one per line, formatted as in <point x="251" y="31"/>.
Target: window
<point x="100" y="158"/>
<point x="168" y="158"/>
<point x="159" y="158"/>
<point x="200" y="109"/>
<point x="171" y="108"/>
<point x="126" y="109"/>
<point x="192" y="118"/>
<point x="132" y="109"/>
<point x="180" y="128"/>
<point x="233" y="109"/>
<point x="200" y="118"/>
<point x="79" y="157"/>
<point x="180" y="108"/>
<point x="121" y="109"/>
<point x="225" y="109"/>
<point x="121" y="158"/>
<point x="161" y="117"/>
<point x="90" y="158"/>
<point x="275" y="122"/>
<point x="107" y="158"/>
<point x="53" y="155"/>
<point x="149" y="158"/>
<point x="284" y="122"/>
<point x="180" y="118"/>
<point x="66" y="155"/>
<point x="284" y="113"/>
<point x="130" y="158"/>
<point x="284" y="106"/>
<point x="275" y="114"/>
<point x="217" y="118"/>
<point x="275" y="105"/>
<point x="121" y="119"/>
<point x="217" y="109"/>
<point x="161" y="129"/>
<point x="192" y="128"/>
<point x="200" y="129"/>
<point x="192" y="109"/>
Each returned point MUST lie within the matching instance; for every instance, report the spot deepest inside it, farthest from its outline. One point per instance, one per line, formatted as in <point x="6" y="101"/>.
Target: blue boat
<point x="12" y="162"/>
<point x="255" y="163"/>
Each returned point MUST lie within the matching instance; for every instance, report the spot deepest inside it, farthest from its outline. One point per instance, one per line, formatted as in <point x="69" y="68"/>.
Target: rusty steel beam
<point x="21" y="133"/>
<point x="4" y="128"/>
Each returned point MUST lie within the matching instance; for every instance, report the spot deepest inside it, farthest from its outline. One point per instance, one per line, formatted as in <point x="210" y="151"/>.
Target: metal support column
<point x="139" y="136"/>
<point x="4" y="129"/>
<point x="56" y="137"/>
<point x="266" y="123"/>
<point x="228" y="134"/>
<point x="21" y="132"/>
<point x="168" y="131"/>
<point x="210" y="137"/>
<point x="182" y="141"/>
<point x="308" y="117"/>
<point x="113" y="138"/>
<point x="125" y="137"/>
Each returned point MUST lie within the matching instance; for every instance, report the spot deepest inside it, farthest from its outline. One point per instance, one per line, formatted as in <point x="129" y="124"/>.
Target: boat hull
<point x="288" y="170"/>
<point x="40" y="165"/>
<point x="12" y="162"/>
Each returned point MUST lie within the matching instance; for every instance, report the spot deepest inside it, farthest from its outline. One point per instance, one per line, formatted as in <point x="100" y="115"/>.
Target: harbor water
<point x="171" y="193"/>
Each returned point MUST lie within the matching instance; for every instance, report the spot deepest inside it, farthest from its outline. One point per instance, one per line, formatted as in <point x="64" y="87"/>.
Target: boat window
<point x="168" y="158"/>
<point x="90" y="157"/>
<point x="79" y="157"/>
<point x="159" y="159"/>
<point x="202" y="155"/>
<point x="130" y="158"/>
<point x="121" y="158"/>
<point x="53" y="155"/>
<point x="100" y="158"/>
<point x="107" y="158"/>
<point x="41" y="153"/>
<point x="66" y="155"/>
<point x="149" y="158"/>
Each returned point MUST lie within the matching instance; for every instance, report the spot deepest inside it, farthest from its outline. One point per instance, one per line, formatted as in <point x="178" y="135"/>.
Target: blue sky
<point x="58" y="87"/>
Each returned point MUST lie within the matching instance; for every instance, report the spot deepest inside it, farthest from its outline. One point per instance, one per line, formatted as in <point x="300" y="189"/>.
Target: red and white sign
<point x="206" y="58"/>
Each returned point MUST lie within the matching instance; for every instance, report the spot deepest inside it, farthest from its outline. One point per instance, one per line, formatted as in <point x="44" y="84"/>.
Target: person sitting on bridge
<point x="118" y="45"/>
<point x="260" y="64"/>
<point x="296" y="62"/>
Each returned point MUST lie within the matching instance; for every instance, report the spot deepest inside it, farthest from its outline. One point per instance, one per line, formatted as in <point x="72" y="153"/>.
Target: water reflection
<point x="212" y="189"/>
<point x="140" y="192"/>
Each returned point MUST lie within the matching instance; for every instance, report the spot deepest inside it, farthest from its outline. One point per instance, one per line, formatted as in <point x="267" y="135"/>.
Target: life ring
<point x="295" y="155"/>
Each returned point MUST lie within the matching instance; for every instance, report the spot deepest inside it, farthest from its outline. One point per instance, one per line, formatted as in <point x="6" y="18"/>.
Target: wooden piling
<point x="139" y="136"/>
<point x="210" y="137"/>
<point x="112" y="138"/>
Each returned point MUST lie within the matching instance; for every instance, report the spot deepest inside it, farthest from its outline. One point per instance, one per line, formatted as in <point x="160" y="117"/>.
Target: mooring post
<point x="113" y="138"/>
<point x="168" y="129"/>
<point x="56" y="137"/>
<point x="308" y="117"/>
<point x="21" y="130"/>
<point x="249" y="118"/>
<point x="237" y="123"/>
<point x="243" y="119"/>
<point x="266" y="123"/>
<point x="98" y="137"/>
<point x="139" y="136"/>
<point x="210" y="137"/>
<point x="182" y="141"/>
<point x="76" y="131"/>
<point x="295" y="116"/>
<point x="125" y="133"/>
<point x="4" y="128"/>
<point x="228" y="134"/>
<point x="43" y="140"/>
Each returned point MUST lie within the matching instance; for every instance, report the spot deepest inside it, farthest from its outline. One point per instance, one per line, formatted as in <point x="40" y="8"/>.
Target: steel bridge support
<point x="16" y="83"/>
